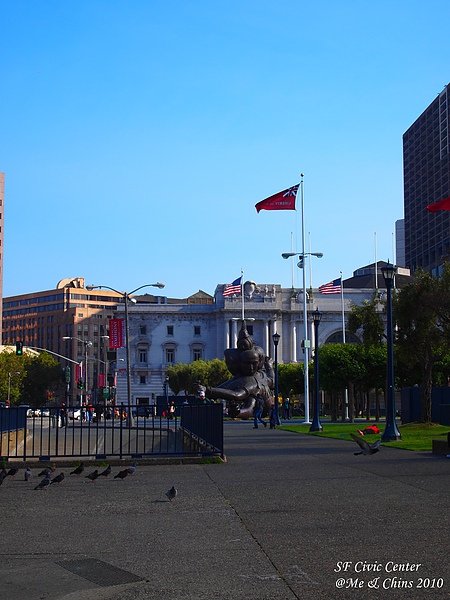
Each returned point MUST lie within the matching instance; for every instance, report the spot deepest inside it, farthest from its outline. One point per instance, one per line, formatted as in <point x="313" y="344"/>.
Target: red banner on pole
<point x="115" y="333"/>
<point x="101" y="380"/>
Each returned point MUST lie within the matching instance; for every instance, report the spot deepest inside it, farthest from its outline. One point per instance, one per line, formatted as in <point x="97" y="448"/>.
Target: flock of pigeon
<point x="48" y="480"/>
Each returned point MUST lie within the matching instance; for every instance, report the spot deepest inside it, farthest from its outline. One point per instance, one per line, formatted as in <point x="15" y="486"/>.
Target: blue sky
<point x="137" y="137"/>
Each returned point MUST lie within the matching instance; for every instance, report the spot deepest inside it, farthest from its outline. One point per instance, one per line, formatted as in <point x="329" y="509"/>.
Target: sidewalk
<point x="278" y="521"/>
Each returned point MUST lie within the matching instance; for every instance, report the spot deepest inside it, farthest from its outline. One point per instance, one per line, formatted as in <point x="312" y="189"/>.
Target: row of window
<point x="170" y="353"/>
<point x="170" y="330"/>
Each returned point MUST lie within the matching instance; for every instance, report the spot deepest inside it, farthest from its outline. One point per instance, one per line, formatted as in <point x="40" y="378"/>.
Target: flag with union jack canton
<point x="233" y="289"/>
<point x="284" y="200"/>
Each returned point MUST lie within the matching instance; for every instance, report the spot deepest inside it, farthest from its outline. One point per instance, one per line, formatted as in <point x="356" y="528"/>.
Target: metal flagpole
<point x="376" y="264"/>
<point x="242" y="294"/>
<point x="343" y="341"/>
<point x="305" y="311"/>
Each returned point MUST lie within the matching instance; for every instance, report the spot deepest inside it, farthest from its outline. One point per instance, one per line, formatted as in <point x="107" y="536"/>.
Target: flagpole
<point x="305" y="311"/>
<point x="242" y="295"/>
<point x="376" y="264"/>
<point x="343" y="341"/>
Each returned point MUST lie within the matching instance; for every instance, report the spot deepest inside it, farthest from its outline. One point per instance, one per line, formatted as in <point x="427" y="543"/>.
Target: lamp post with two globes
<point x="127" y="297"/>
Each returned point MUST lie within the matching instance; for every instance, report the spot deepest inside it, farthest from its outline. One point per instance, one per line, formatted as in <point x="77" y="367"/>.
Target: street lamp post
<point x="276" y="338"/>
<point x="301" y="264"/>
<point x="87" y="345"/>
<point x="127" y="298"/>
<point x="391" y="432"/>
<point x="316" y="425"/>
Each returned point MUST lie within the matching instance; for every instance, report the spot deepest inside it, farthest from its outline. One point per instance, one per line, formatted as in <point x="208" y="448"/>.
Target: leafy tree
<point x="368" y="320"/>
<point x="12" y="373"/>
<point x="290" y="379"/>
<point x="43" y="379"/>
<point x="422" y="315"/>
<point x="185" y="376"/>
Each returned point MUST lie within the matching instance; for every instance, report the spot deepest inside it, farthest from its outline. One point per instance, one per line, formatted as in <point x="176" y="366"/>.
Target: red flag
<point x="284" y="200"/>
<point x="443" y="204"/>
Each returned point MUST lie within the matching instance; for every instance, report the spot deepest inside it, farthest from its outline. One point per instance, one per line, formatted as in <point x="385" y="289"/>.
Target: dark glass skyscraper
<point x="426" y="171"/>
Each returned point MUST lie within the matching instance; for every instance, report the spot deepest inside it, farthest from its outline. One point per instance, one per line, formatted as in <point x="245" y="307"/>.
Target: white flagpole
<point x="376" y="264"/>
<point x="343" y="341"/>
<point x="242" y="294"/>
<point x="305" y="311"/>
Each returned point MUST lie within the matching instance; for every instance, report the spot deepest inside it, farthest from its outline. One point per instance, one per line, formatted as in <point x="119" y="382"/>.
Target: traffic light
<point x="67" y="374"/>
<point x="80" y="384"/>
<point x="19" y="348"/>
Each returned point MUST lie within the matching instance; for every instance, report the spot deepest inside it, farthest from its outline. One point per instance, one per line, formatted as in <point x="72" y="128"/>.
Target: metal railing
<point x="58" y="432"/>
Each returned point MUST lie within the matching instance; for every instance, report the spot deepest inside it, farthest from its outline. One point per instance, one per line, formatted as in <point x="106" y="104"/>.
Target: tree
<point x="367" y="319"/>
<point x="43" y="378"/>
<point x="290" y="379"/>
<point x="422" y="315"/>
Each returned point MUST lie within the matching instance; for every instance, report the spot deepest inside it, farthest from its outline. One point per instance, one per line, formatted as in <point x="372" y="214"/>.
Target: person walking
<point x="286" y="409"/>
<point x="258" y="411"/>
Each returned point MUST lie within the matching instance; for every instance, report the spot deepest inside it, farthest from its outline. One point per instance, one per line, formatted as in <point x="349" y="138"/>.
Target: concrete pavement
<point x="287" y="517"/>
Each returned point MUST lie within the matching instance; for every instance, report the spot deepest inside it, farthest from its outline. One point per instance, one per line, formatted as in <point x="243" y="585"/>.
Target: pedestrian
<point x="258" y="411"/>
<point x="286" y="408"/>
<point x="272" y="418"/>
<point x="63" y="415"/>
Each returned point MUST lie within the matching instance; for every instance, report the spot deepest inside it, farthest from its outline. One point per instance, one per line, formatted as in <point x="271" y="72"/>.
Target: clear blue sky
<point x="136" y="137"/>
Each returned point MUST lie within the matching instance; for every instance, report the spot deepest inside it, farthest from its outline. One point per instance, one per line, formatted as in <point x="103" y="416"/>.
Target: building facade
<point x="43" y="319"/>
<point x="2" y="219"/>
<point x="426" y="172"/>
<point x="178" y="331"/>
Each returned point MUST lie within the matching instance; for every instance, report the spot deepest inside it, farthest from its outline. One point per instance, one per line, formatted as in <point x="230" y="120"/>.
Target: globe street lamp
<point x="87" y="345"/>
<point x="391" y="432"/>
<point x="276" y="338"/>
<point x="316" y="425"/>
<point x="302" y="256"/>
<point x="127" y="298"/>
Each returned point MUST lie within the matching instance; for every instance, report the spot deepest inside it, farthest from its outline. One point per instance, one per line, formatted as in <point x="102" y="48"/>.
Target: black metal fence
<point x="120" y="431"/>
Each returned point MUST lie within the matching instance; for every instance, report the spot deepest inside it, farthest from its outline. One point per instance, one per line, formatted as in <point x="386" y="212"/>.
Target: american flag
<point x="333" y="287"/>
<point x="233" y="288"/>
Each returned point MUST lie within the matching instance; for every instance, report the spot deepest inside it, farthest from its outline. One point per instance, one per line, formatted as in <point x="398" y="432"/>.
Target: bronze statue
<point x="253" y="375"/>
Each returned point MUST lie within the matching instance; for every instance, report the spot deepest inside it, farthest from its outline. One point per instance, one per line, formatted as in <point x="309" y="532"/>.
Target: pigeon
<point x="93" y="476"/>
<point x="12" y="472"/>
<point x="47" y="471"/>
<point x="366" y="448"/>
<point x="121" y="474"/>
<point x="27" y="474"/>
<point x="58" y="478"/>
<point x="132" y="469"/>
<point x="172" y="493"/>
<point x="78" y="470"/>
<point x="2" y="476"/>
<point x="106" y="472"/>
<point x="43" y="484"/>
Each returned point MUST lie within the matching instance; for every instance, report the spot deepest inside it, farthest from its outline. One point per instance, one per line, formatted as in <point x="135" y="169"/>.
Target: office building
<point x="426" y="166"/>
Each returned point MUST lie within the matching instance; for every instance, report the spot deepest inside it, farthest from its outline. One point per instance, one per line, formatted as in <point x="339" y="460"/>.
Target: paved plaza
<point x="287" y="517"/>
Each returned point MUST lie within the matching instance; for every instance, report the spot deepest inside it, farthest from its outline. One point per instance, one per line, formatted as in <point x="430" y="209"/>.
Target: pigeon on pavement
<point x="27" y="474"/>
<point x="78" y="470"/>
<point x="366" y="448"/>
<point x="172" y="493"/>
<point x="58" y="478"/>
<point x="121" y="474"/>
<point x="43" y="484"/>
<point x="2" y="476"/>
<point x="132" y="469"/>
<point x="12" y="472"/>
<point x="106" y="472"/>
<point x="93" y="476"/>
